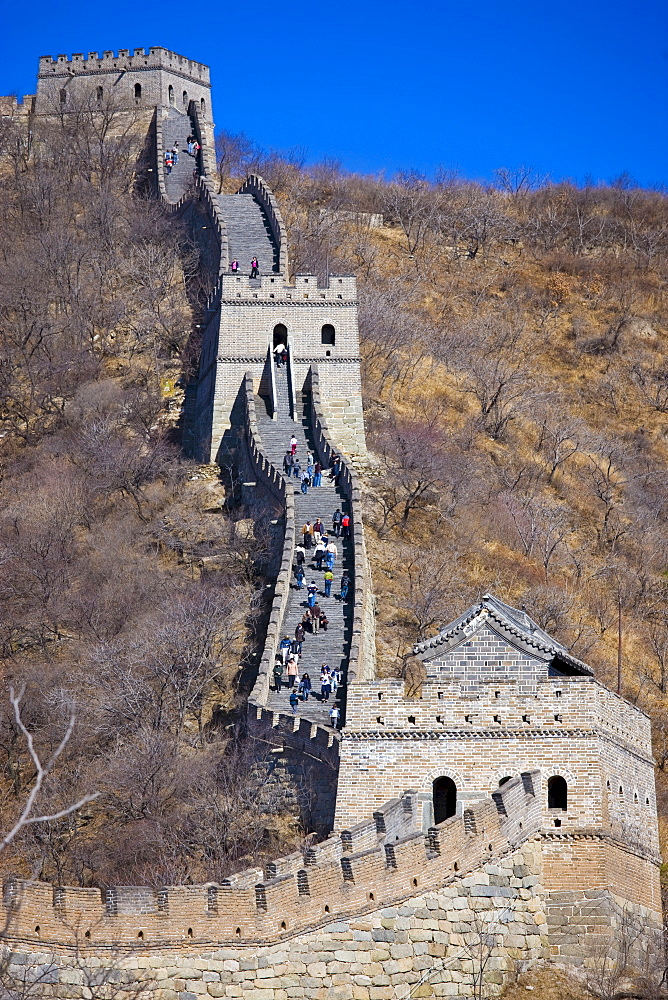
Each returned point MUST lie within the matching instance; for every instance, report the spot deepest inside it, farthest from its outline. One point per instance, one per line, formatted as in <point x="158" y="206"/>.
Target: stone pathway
<point x="332" y="646"/>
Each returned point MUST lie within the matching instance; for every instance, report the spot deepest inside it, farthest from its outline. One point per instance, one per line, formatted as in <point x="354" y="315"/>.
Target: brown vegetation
<point x="129" y="591"/>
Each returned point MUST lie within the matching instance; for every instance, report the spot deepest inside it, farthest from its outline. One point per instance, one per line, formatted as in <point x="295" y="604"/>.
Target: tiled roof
<point x="512" y="624"/>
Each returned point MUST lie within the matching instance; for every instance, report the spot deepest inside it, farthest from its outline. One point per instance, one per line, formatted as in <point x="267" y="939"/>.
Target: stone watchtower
<point x="501" y="698"/>
<point x="145" y="79"/>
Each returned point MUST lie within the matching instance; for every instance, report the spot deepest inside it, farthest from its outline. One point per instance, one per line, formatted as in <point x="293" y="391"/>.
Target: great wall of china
<point x="508" y="810"/>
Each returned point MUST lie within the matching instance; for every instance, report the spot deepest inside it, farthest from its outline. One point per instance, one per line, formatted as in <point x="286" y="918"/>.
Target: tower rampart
<point x="144" y="78"/>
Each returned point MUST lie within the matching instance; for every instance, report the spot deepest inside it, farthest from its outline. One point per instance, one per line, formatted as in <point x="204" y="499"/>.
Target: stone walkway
<point x="332" y="646"/>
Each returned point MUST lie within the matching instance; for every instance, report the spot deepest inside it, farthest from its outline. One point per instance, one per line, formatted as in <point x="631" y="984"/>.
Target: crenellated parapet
<point x="137" y="60"/>
<point x="376" y="863"/>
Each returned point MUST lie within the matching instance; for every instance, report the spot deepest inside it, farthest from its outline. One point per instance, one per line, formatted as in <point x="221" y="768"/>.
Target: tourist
<point x="317" y="474"/>
<point x="310" y="468"/>
<point x="296" y="647"/>
<point x="168" y="163"/>
<point x="292" y="671"/>
<point x="319" y="555"/>
<point x="309" y="458"/>
<point x="323" y="621"/>
<point x="300" y="555"/>
<point x="345" y="584"/>
<point x="328" y="578"/>
<point x="307" y="534"/>
<point x="306" y="622"/>
<point x="299" y="577"/>
<point x="288" y="462"/>
<point x="331" y="552"/>
<point x="305" y="687"/>
<point x="296" y="469"/>
<point x="318" y="529"/>
<point x="294" y="702"/>
<point x="334" y="717"/>
<point x="345" y="526"/>
<point x="312" y="591"/>
<point x="281" y="354"/>
<point x="334" y="674"/>
<point x="234" y="266"/>
<point x="255" y="267"/>
<point x="299" y="633"/>
<point x="191" y="145"/>
<point x="306" y="479"/>
<point x="325" y="683"/>
<point x="278" y="674"/>
<point x="336" y="522"/>
<point x="284" y="647"/>
<point x="293" y="444"/>
<point x="175" y="153"/>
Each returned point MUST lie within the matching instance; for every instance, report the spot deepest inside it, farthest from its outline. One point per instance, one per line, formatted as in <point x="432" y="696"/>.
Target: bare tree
<point x="29" y="815"/>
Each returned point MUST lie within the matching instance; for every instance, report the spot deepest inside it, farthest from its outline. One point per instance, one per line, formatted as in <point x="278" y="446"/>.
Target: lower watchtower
<point x="500" y="698"/>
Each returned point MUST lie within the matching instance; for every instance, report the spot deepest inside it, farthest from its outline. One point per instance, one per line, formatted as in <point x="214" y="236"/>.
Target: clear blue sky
<point x="572" y="89"/>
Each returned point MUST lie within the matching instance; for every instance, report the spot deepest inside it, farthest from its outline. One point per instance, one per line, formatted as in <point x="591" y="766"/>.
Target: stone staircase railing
<point x="361" y="664"/>
<point x="257" y="186"/>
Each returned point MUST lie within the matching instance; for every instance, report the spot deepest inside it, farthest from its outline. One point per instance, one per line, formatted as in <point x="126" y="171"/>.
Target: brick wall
<point x="155" y="70"/>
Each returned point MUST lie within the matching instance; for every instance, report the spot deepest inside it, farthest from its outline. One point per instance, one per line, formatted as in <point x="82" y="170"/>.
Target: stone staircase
<point x="332" y="646"/>
<point x="248" y="233"/>
<point x="176" y="127"/>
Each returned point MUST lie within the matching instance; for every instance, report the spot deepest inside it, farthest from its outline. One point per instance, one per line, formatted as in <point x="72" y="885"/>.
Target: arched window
<point x="503" y="781"/>
<point x="280" y="334"/>
<point x="100" y="93"/>
<point x="445" y="799"/>
<point x="202" y="105"/>
<point x="185" y="98"/>
<point x="137" y="91"/>
<point x="557" y="793"/>
<point x="327" y="334"/>
<point x="171" y="94"/>
<point x="63" y="97"/>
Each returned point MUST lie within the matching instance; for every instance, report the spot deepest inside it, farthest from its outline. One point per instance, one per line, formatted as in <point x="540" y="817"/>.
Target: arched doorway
<point x="280" y="334"/>
<point x="444" y="795"/>
<point x="557" y="793"/>
<point x="504" y="781"/>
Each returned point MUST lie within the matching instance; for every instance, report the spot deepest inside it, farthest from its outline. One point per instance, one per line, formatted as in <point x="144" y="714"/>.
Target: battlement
<point x="123" y="60"/>
<point x="553" y="704"/>
<point x="341" y="290"/>
<point x="378" y="862"/>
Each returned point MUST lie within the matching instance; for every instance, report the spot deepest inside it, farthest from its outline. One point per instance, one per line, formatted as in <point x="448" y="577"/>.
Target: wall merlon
<point x="139" y="59"/>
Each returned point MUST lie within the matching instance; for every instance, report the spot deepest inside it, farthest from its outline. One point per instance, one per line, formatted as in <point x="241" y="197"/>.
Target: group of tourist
<point x="172" y="155"/>
<point x="310" y="474"/>
<point x="255" y="267"/>
<point x="287" y="661"/>
<point x="325" y="553"/>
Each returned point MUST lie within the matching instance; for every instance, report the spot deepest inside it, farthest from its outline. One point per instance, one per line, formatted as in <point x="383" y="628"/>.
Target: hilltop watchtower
<point x="145" y="78"/>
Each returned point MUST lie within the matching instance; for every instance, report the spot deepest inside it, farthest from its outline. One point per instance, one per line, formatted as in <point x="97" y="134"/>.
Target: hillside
<point x="516" y="387"/>
<point x="516" y="391"/>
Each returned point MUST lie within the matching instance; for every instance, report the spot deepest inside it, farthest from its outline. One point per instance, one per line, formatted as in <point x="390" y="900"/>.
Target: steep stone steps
<point x="248" y="233"/>
<point x="176" y="127"/>
<point x="332" y="646"/>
